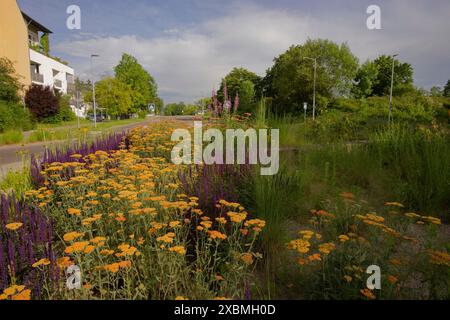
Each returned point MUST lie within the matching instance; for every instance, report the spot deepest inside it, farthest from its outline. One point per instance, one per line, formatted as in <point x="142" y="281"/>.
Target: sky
<point x="190" y="45"/>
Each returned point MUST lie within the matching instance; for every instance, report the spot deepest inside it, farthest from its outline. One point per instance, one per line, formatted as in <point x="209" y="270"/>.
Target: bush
<point x="64" y="113"/>
<point x="9" y="82"/>
<point x="14" y="116"/>
<point x="42" y="102"/>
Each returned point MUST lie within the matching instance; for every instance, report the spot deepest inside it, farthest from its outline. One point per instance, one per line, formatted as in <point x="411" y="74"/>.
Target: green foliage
<point x="234" y="81"/>
<point x="114" y="95"/>
<point x="190" y="109"/>
<point x="45" y="43"/>
<point x="403" y="76"/>
<point x="11" y="137"/>
<point x="9" y="81"/>
<point x="365" y="79"/>
<point x="419" y="162"/>
<point x="14" y="116"/>
<point x="174" y="109"/>
<point x="65" y="112"/>
<point x="247" y="97"/>
<point x="290" y="81"/>
<point x="144" y="87"/>
<point x="446" y="91"/>
<point x="17" y="181"/>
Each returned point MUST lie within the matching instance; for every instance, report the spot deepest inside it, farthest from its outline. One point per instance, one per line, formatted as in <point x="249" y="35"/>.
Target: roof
<point x="31" y="21"/>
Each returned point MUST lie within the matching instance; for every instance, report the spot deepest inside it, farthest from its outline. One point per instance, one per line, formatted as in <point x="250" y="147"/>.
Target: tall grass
<point x="11" y="137"/>
<point x="419" y="163"/>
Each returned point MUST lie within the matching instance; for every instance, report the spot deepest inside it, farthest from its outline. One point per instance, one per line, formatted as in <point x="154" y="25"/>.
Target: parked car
<point x="99" y="117"/>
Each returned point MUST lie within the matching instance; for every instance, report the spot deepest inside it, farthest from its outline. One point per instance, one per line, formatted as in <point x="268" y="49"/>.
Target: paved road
<point x="12" y="157"/>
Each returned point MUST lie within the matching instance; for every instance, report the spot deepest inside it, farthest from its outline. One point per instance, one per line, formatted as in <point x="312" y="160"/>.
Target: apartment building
<point x="45" y="69"/>
<point x="22" y="40"/>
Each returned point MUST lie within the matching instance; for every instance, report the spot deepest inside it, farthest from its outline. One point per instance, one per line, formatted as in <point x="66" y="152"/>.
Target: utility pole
<point x="77" y="97"/>
<point x="314" y="90"/>
<point x="93" y="91"/>
<point x="392" y="87"/>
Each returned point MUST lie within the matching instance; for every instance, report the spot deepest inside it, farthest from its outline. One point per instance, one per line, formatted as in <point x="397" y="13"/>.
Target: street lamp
<point x="314" y="94"/>
<point x="93" y="91"/>
<point x="305" y="107"/>
<point x="392" y="86"/>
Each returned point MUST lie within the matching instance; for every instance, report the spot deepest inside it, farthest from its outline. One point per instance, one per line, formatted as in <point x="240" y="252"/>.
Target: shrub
<point x="42" y="102"/>
<point x="9" y="82"/>
<point x="14" y="116"/>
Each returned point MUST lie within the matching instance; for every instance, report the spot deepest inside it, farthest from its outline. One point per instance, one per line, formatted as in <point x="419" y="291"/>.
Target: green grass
<point x="17" y="181"/>
<point x="11" y="137"/>
<point x="64" y="131"/>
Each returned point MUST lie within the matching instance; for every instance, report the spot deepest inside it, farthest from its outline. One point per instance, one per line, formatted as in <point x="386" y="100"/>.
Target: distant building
<point x="21" y="42"/>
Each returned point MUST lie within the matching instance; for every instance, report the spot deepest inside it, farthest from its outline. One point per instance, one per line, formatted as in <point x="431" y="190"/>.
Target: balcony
<point x="57" y="83"/>
<point x="37" y="77"/>
<point x="71" y="87"/>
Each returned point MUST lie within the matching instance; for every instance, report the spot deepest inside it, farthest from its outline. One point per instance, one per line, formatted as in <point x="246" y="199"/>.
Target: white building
<point x="49" y="72"/>
<point x="45" y="69"/>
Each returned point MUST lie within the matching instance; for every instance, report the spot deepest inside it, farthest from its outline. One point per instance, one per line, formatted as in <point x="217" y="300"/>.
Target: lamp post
<point x="305" y="107"/>
<point x="392" y="87"/>
<point x="93" y="91"/>
<point x="314" y="90"/>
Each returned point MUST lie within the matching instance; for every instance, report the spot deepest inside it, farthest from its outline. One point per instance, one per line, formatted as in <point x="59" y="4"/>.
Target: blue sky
<point x="189" y="45"/>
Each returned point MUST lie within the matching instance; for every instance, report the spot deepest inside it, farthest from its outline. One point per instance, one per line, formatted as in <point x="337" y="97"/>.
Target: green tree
<point x="291" y="77"/>
<point x="247" y="101"/>
<point x="115" y="96"/>
<point x="9" y="82"/>
<point x="174" y="109"/>
<point x="144" y="87"/>
<point x="446" y="91"/>
<point x="159" y="105"/>
<point x="234" y="81"/>
<point x="436" y="91"/>
<point x="403" y="76"/>
<point x="365" y="78"/>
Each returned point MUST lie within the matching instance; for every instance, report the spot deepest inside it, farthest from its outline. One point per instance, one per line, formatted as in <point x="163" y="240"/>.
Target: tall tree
<point x="242" y="82"/>
<point x="292" y="75"/>
<point x="115" y="96"/>
<point x="365" y="79"/>
<point x="403" y="76"/>
<point x="447" y="89"/>
<point x="129" y="71"/>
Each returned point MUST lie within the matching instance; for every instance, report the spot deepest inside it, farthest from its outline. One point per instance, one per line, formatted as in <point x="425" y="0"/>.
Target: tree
<point x="9" y="81"/>
<point x="115" y="96"/>
<point x="365" y="78"/>
<point x="403" y="76"/>
<point x="42" y="102"/>
<point x="174" y="109"/>
<point x="446" y="91"/>
<point x="234" y="80"/>
<point x="144" y="87"/>
<point x="290" y="80"/>
<point x="247" y="101"/>
<point x="436" y="91"/>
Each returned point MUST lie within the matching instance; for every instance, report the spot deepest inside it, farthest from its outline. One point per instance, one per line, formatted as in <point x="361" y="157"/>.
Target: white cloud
<point x="187" y="63"/>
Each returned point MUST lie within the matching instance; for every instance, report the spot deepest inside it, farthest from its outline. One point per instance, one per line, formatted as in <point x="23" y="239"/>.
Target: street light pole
<point x="93" y="91"/>
<point x="314" y="90"/>
<point x="392" y="87"/>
